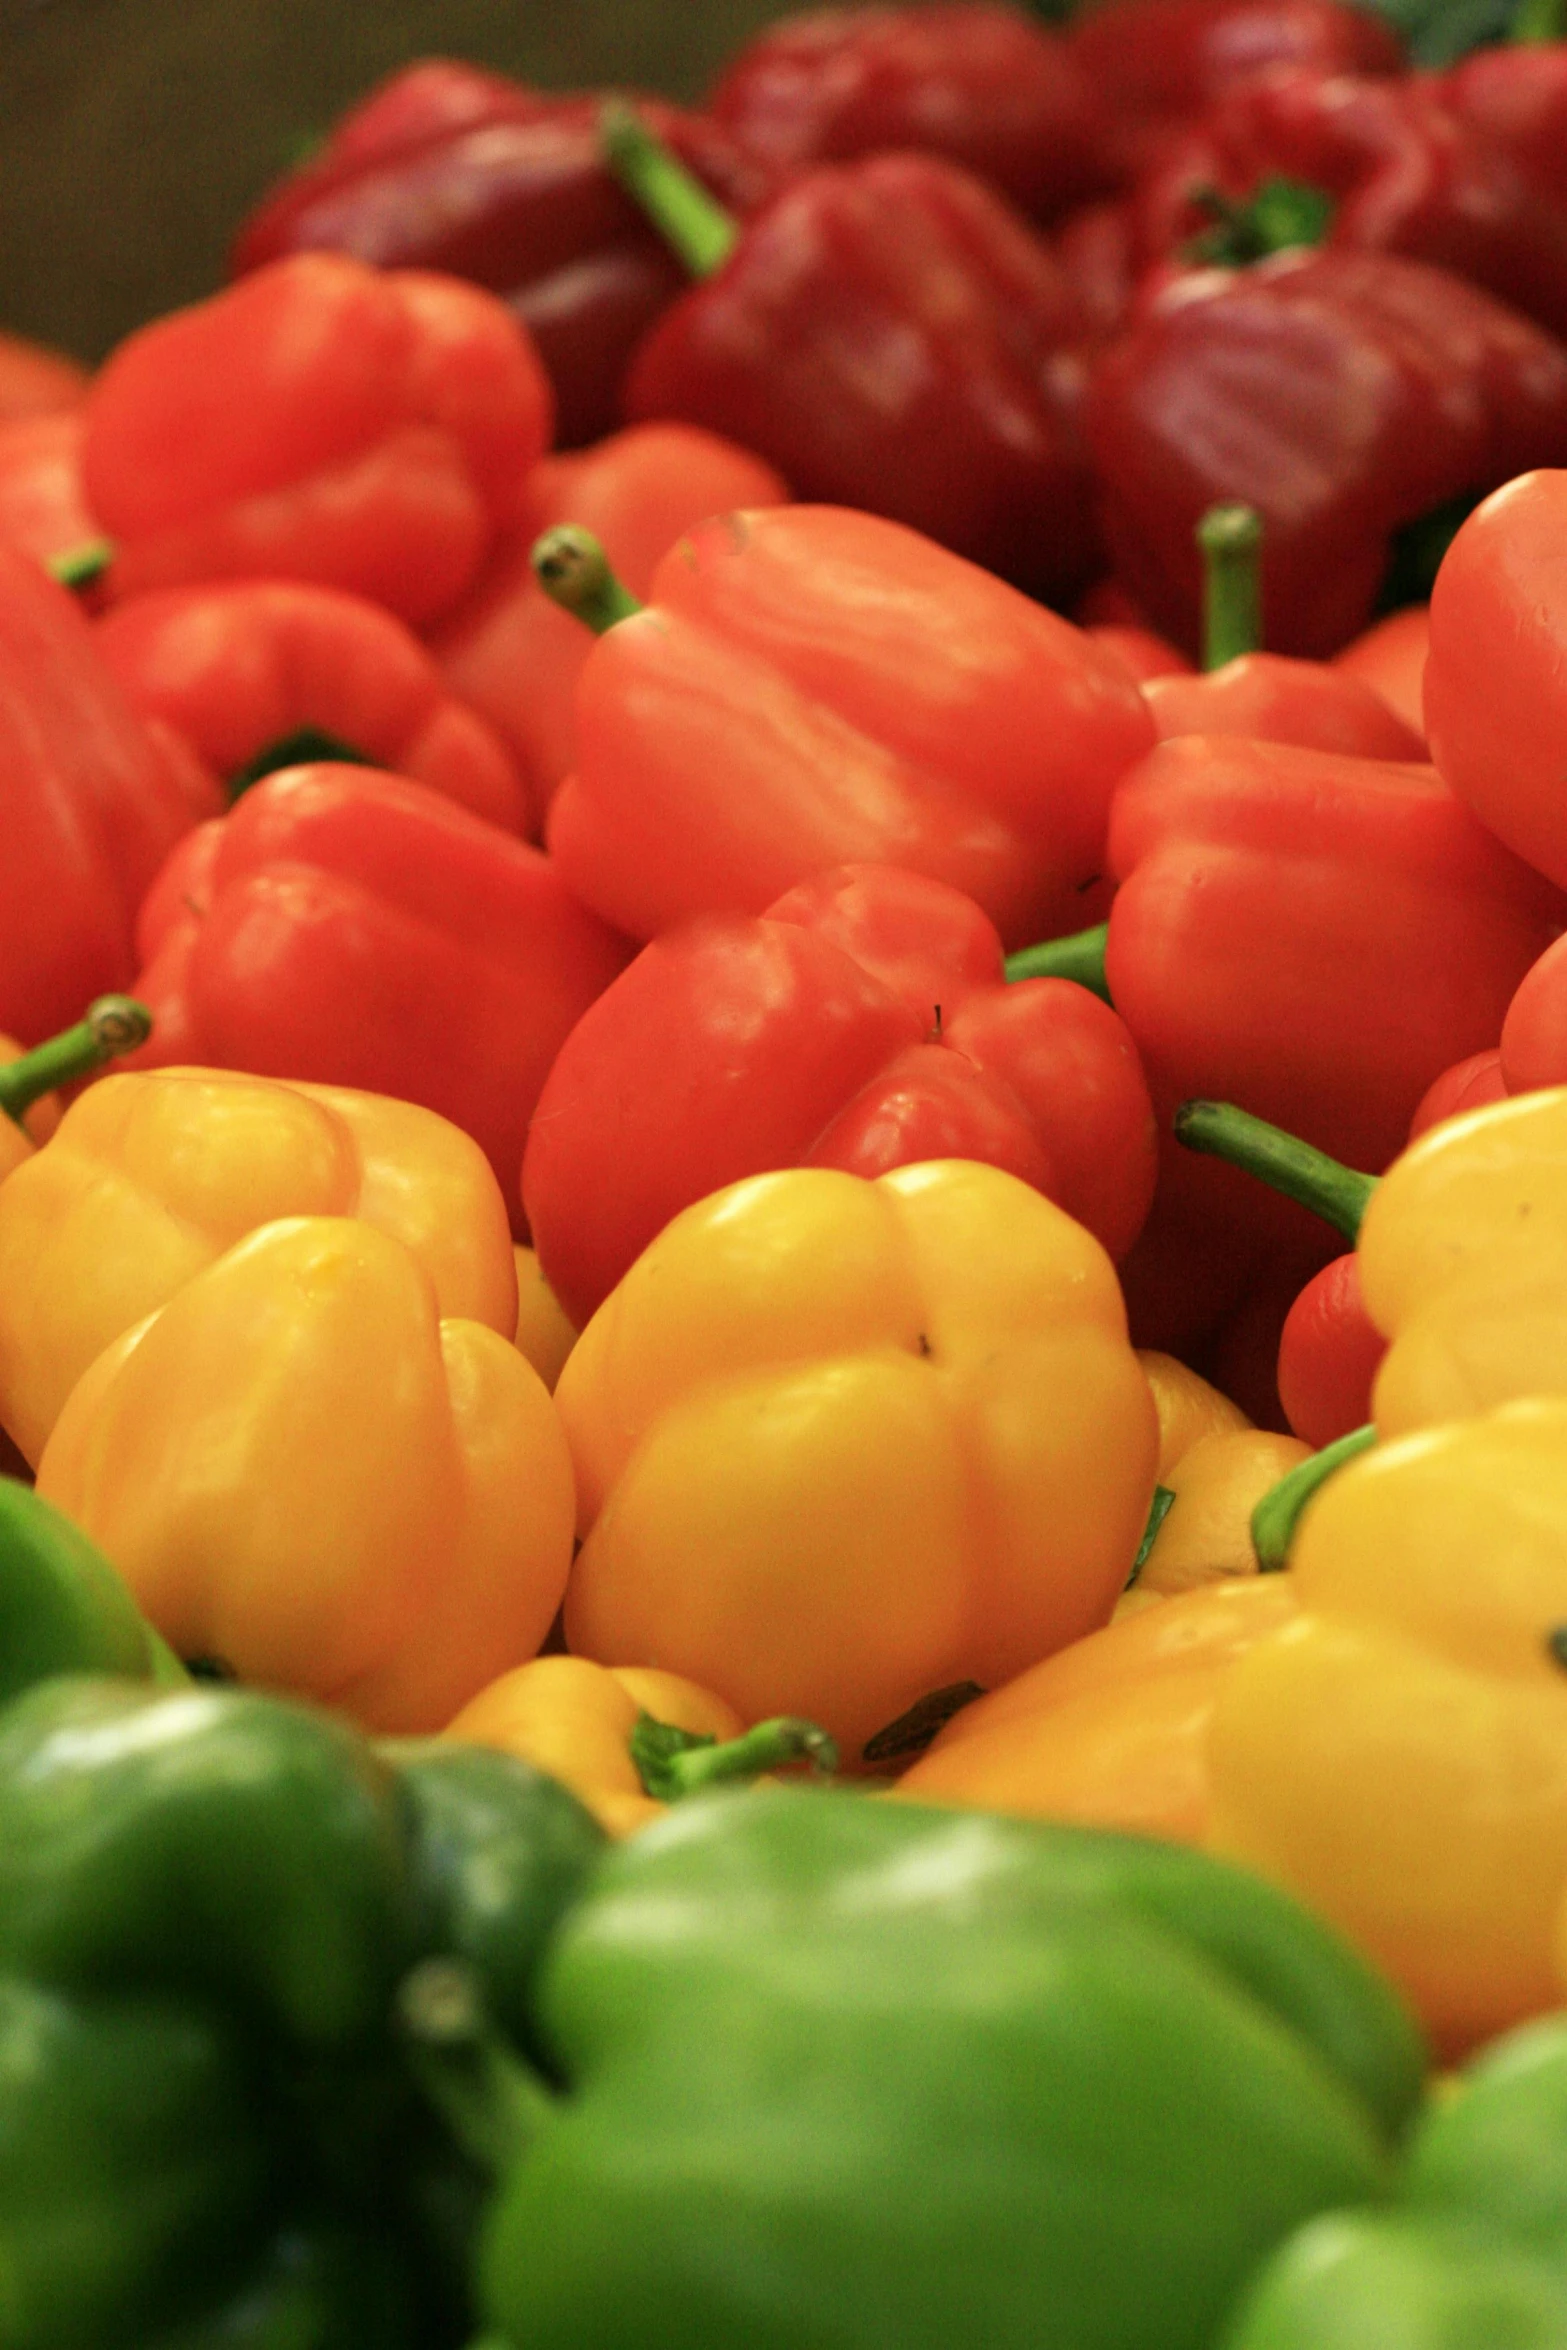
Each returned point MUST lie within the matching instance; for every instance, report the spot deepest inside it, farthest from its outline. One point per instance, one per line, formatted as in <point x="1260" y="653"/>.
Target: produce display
<point x="783" y="1215"/>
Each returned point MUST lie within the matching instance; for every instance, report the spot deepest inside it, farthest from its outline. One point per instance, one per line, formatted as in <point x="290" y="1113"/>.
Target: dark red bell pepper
<point x="891" y="335"/>
<point x="1391" y="657"/>
<point x="1533" y="1050"/>
<point x="42" y="503"/>
<point x="983" y="85"/>
<point x="810" y="687"/>
<point x="365" y="429"/>
<point x="1344" y="395"/>
<point x="862" y="1022"/>
<point x="260" y="674"/>
<point x="353" y="928"/>
<point x="448" y="168"/>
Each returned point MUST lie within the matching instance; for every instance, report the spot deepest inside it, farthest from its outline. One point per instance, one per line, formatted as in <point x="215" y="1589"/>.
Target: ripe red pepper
<point x="35" y="381"/>
<point x="811" y="687"/>
<point x="510" y="652"/>
<point x="259" y="674"/>
<point x="980" y="84"/>
<point x="321" y="421"/>
<point x="1496" y="680"/>
<point x="862" y="1022"/>
<point x="1344" y="395"/>
<point x="891" y="336"/>
<point x="42" y="504"/>
<point x="1470" y="1083"/>
<point x="89" y="809"/>
<point x="1391" y="656"/>
<point x="1533" y="1049"/>
<point x="352" y="928"/>
<point x="1516" y="96"/>
<point x="447" y="168"/>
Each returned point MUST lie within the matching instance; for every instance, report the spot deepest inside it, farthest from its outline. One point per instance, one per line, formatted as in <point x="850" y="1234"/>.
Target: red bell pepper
<point x="980" y="84"/>
<point x="1470" y="1083"/>
<point x="1496" y="680"/>
<point x="260" y="674"/>
<point x="862" y="1022"/>
<point x="447" y="168"/>
<point x="1391" y="657"/>
<point x="1344" y="395"/>
<point x="1516" y="97"/>
<point x="1533" y="1050"/>
<point x="811" y="687"/>
<point x="890" y="335"/>
<point x="35" y="381"/>
<point x="89" y="808"/>
<point x="42" y="504"/>
<point x="352" y="928"/>
<point x="510" y="652"/>
<point x="320" y="421"/>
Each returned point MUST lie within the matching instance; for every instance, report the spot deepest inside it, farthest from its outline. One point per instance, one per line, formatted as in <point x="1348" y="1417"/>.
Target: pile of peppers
<point x="783" y="1215"/>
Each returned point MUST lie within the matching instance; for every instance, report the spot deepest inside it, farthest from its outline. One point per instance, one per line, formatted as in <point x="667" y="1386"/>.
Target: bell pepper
<point x="1330" y="1352"/>
<point x="42" y="506"/>
<point x="208" y="1900"/>
<point x="29" y="1109"/>
<point x="979" y="84"/>
<point x="321" y="421"/>
<point x="543" y="1333"/>
<point x="510" y="652"/>
<point x="63" y="1609"/>
<point x="304" y="1470"/>
<point x="150" y="1177"/>
<point x="862" y="1022"/>
<point x="36" y="381"/>
<point x="810" y="687"/>
<point x="891" y="336"/>
<point x="447" y="168"/>
<point x="841" y="1443"/>
<point x="952" y="2073"/>
<point x="358" y="929"/>
<point x="1394" y="1757"/>
<point x="1391" y="657"/>
<point x="1471" y="1082"/>
<point x="1342" y="394"/>
<point x="261" y="674"/>
<point x="89" y="808"/>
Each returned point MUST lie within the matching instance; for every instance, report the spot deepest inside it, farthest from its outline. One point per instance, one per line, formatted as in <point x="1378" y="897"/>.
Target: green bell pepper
<point x="63" y="1608"/>
<point x="860" y="2076"/>
<point x="207" y="1899"/>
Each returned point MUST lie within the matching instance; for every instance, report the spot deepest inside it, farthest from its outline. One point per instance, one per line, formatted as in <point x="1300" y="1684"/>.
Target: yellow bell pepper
<point x="839" y="1443"/>
<point x="304" y="1471"/>
<point x="152" y="1176"/>
<point x="1215" y="1467"/>
<point x="543" y="1332"/>
<point x="29" y="1109"/>
<point x="1398" y="1755"/>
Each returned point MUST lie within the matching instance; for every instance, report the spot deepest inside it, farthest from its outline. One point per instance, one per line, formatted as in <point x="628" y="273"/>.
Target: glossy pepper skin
<point x="446" y="168"/>
<point x="42" y="505"/>
<point x="1183" y="409"/>
<point x="862" y="1022"/>
<point x="324" y="421"/>
<point x="1271" y="698"/>
<point x="982" y="85"/>
<point x="208" y="1900"/>
<point x="89" y="809"/>
<point x="355" y="928"/>
<point x="63" y="1609"/>
<point x="832" y="1442"/>
<point x="36" y="381"/>
<point x="150" y="1177"/>
<point x="305" y="1470"/>
<point x="510" y="652"/>
<point x="1394" y="1757"/>
<point x="810" y="687"/>
<point x="243" y="669"/>
<point x="891" y="336"/>
<point x="1023" y="1979"/>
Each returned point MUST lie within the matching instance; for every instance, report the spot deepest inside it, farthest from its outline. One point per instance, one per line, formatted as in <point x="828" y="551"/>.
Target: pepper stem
<point x="1276" y="1516"/>
<point x="80" y="567"/>
<point x="489" y="2099"/>
<point x="1230" y="540"/>
<point x="573" y="570"/>
<point x="692" y="223"/>
<point x="113" y="1025"/>
<point x="1080" y="957"/>
<point x="673" y="1763"/>
<point x="1277" y="217"/>
<point x="1538" y="20"/>
<point x="1338" y="1194"/>
<point x="303" y="748"/>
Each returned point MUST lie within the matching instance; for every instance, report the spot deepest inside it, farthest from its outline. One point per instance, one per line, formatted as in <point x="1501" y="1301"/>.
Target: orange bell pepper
<point x="307" y="1473"/>
<point x="151" y="1176"/>
<point x="543" y="1332"/>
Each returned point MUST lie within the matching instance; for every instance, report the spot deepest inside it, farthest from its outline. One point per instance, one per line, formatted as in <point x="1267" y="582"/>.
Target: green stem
<point x="1158" y="1510"/>
<point x="79" y="567"/>
<point x="303" y="748"/>
<point x="1278" y="216"/>
<point x="489" y="2099"/>
<point x="1338" y="1194"/>
<point x="692" y="223"/>
<point x="673" y="1763"/>
<point x="1276" y="1516"/>
<point x="1080" y="957"/>
<point x="1230" y="539"/>
<point x="1538" y="20"/>
<point x="573" y="570"/>
<point x="113" y="1025"/>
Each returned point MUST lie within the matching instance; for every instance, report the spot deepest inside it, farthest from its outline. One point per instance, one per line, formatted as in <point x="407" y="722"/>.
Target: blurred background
<point x="134" y="133"/>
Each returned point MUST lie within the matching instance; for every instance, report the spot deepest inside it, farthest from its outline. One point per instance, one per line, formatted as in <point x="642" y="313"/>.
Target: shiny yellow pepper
<point x="150" y="1176"/>
<point x="306" y="1472"/>
<point x="1216" y="1467"/>
<point x="839" y="1443"/>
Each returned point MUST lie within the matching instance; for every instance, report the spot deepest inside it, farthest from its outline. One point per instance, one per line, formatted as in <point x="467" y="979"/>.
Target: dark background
<point x="134" y="133"/>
